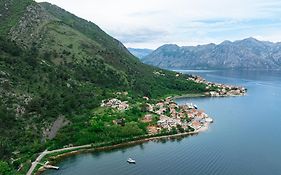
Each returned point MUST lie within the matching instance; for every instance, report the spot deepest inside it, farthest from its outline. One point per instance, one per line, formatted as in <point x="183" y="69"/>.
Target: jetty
<point x="46" y="152"/>
<point x="47" y="166"/>
<point x="51" y="167"/>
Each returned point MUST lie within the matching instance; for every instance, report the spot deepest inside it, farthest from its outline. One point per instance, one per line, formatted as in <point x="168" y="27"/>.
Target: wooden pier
<point x="49" y="166"/>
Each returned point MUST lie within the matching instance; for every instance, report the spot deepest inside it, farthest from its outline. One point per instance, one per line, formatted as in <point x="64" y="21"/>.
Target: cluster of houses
<point x="171" y="115"/>
<point x="165" y="115"/>
<point x="158" y="73"/>
<point x="219" y="89"/>
<point x="122" y="93"/>
<point x="115" y="103"/>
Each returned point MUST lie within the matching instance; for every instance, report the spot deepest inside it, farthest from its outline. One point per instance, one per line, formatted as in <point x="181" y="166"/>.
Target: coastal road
<point x="46" y="152"/>
<point x="35" y="163"/>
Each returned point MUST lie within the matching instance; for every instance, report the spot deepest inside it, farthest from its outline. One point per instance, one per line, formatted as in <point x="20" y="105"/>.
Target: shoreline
<point x="70" y="151"/>
<point x="88" y="149"/>
<point x="91" y="148"/>
<point x="205" y="96"/>
<point x="190" y="96"/>
<point x="138" y="140"/>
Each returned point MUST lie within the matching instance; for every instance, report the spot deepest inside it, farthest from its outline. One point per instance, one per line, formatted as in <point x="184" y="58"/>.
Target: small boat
<point x="130" y="160"/>
<point x="209" y="120"/>
<point x="195" y="106"/>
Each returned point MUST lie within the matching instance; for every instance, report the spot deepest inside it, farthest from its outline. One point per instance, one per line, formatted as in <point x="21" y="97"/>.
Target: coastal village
<point x="214" y="89"/>
<point x="165" y="115"/>
<point x="115" y="103"/>
<point x="170" y="116"/>
<point x="217" y="89"/>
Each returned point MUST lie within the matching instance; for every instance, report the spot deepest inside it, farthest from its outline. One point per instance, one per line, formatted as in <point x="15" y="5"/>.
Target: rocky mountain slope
<point x="55" y="69"/>
<point x="244" y="54"/>
<point x="140" y="53"/>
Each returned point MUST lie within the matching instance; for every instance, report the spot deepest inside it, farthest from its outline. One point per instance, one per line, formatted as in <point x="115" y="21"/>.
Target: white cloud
<point x="151" y="23"/>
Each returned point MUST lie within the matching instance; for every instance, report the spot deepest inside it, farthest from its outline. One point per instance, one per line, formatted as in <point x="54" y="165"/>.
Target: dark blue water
<point x="245" y="138"/>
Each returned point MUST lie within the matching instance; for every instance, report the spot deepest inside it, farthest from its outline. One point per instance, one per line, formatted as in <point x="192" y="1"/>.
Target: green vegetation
<point x="101" y="124"/>
<point x="4" y="168"/>
<point x="11" y="11"/>
<point x="68" y="68"/>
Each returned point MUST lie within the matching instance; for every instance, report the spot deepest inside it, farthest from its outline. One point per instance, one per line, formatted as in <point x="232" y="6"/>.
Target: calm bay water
<point x="243" y="140"/>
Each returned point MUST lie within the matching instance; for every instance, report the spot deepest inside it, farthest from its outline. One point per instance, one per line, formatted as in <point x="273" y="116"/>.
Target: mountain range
<point x="248" y="53"/>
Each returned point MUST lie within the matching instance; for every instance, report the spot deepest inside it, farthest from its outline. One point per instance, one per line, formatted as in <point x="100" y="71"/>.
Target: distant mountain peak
<point x="171" y="45"/>
<point x="251" y="40"/>
<point x="226" y="42"/>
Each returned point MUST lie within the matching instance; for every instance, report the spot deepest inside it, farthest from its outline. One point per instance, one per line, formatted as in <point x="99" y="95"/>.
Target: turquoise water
<point x="243" y="140"/>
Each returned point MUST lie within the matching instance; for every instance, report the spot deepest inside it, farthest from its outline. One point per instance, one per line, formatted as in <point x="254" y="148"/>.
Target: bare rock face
<point x="244" y="54"/>
<point x="31" y="25"/>
<point x="51" y="132"/>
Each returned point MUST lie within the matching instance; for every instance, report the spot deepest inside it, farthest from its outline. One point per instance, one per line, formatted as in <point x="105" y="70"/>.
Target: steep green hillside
<point x="55" y="69"/>
<point x="10" y="12"/>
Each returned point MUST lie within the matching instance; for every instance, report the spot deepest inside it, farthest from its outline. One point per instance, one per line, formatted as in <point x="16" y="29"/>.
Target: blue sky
<point x="152" y="23"/>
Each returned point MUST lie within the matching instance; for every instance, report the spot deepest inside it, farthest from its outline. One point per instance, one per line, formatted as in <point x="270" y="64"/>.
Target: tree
<point x="174" y="130"/>
<point x="179" y="127"/>
<point x="4" y="168"/>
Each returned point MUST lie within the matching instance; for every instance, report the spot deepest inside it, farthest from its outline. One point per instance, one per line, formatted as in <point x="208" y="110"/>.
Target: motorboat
<point x="130" y="160"/>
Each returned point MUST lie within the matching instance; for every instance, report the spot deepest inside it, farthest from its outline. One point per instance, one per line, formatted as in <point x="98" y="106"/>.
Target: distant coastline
<point x="194" y="70"/>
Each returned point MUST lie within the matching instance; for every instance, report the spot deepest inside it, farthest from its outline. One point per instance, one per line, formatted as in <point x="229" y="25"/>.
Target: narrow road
<point x="46" y="152"/>
<point x="35" y="163"/>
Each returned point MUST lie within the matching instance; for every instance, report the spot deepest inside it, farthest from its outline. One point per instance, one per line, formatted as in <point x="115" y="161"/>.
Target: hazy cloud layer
<point x="151" y="23"/>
